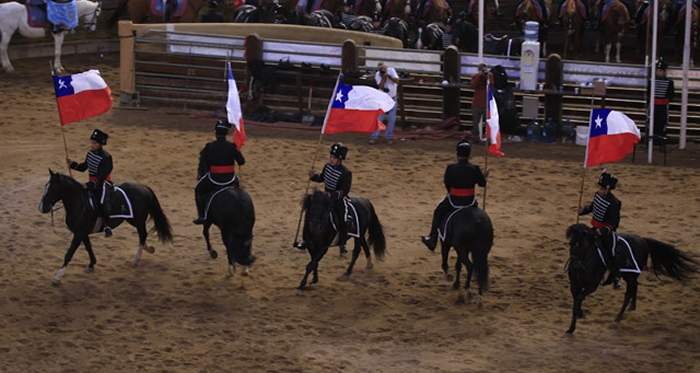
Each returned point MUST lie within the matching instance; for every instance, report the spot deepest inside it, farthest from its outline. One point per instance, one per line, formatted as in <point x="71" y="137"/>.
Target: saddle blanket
<point x="351" y="219"/>
<point x="120" y="205"/>
<point x="64" y="14"/>
<point x="158" y="7"/>
<point x="583" y="8"/>
<point x="36" y="17"/>
<point x="316" y="5"/>
<point x="624" y="256"/>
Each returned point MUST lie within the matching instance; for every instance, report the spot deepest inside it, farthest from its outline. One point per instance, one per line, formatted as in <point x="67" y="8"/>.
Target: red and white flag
<point x="234" y="114"/>
<point x="81" y="96"/>
<point x="493" y="128"/>
<point x="356" y="109"/>
<point x="611" y="136"/>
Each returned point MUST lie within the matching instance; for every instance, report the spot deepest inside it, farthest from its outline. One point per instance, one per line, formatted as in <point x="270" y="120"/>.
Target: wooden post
<point x="127" y="68"/>
<point x="553" y="81"/>
<point x="349" y="57"/>
<point x="451" y="94"/>
<point x="253" y="51"/>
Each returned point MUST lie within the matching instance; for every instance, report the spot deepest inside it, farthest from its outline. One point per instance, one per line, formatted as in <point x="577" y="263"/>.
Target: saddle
<point x="624" y="256"/>
<point x="442" y="229"/>
<point x="350" y="218"/>
<point x="119" y="206"/>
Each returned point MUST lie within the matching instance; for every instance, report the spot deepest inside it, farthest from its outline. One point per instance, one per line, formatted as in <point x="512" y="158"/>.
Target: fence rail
<point x="186" y="69"/>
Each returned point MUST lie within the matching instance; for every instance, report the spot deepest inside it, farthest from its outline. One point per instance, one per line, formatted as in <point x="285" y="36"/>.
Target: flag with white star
<point x="611" y="136"/>
<point x="356" y="109"/>
<point x="81" y="96"/>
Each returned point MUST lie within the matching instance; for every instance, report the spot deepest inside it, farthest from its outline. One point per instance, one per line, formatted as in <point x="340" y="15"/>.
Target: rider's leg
<point x="339" y="210"/>
<point x="200" y="191"/>
<point x="442" y="208"/>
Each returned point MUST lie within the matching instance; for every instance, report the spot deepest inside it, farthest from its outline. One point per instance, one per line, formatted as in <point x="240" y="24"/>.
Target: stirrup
<point x="199" y="221"/>
<point x="428" y="241"/>
<point x="108" y="232"/>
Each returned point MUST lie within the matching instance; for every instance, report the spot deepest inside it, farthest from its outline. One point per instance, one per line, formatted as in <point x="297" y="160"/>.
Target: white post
<point x="481" y="31"/>
<point x="654" y="32"/>
<point x="686" y="66"/>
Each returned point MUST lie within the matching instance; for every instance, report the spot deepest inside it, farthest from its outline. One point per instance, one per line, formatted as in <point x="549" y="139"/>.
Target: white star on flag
<point x="62" y="84"/>
<point x="598" y="121"/>
<point x="339" y="96"/>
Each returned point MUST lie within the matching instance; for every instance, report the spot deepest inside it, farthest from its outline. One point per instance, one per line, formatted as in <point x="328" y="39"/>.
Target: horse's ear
<point x="51" y="172"/>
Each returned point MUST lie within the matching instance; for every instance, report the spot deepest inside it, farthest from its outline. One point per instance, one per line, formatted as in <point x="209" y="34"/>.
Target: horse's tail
<point x="114" y="18"/>
<point x="376" y="235"/>
<point x="161" y="223"/>
<point x="669" y="261"/>
<point x="480" y="256"/>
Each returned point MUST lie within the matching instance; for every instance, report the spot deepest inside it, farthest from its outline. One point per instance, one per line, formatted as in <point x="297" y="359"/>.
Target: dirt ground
<point x="178" y="312"/>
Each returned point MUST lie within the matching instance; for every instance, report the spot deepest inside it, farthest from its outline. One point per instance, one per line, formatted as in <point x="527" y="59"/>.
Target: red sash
<point x="94" y="178"/>
<point x="662" y="101"/>
<point x="222" y="169"/>
<point x="599" y="224"/>
<point x="462" y="192"/>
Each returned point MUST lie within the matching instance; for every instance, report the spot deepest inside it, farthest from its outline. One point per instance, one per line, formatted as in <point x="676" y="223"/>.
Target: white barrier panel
<point x="274" y="51"/>
<point x="229" y="47"/>
<point x="404" y="59"/>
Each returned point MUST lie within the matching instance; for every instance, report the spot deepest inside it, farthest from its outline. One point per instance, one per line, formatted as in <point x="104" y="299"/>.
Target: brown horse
<point x="367" y="7"/>
<point x="572" y="15"/>
<point x="423" y="12"/>
<point x="140" y="11"/>
<point x="616" y="21"/>
<point x="471" y="13"/>
<point x="694" y="30"/>
<point x="644" y="21"/>
<point x="529" y="11"/>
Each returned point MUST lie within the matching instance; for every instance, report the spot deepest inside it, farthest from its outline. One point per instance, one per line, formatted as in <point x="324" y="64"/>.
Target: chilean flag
<point x="234" y="115"/>
<point x="612" y="136"/>
<point x="81" y="96"/>
<point x="493" y="128"/>
<point x="356" y="109"/>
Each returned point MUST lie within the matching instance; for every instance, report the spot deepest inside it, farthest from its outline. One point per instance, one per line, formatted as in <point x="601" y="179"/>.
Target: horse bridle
<point x="94" y="16"/>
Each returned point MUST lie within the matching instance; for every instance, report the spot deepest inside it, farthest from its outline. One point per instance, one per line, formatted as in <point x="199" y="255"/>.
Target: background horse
<point x="644" y="22"/>
<point x="397" y="28"/>
<point x="430" y="37"/>
<point x="318" y="233"/>
<point x="615" y="23"/>
<point x="81" y="217"/>
<point x="251" y="14"/>
<point x="13" y="17"/>
<point x="528" y="11"/>
<point x="504" y="45"/>
<point x="586" y="270"/>
<point x="465" y="36"/>
<point x="469" y="231"/>
<point x="140" y="11"/>
<point x="694" y="29"/>
<point x="367" y="7"/>
<point x="231" y="209"/>
<point x="471" y="13"/>
<point x="572" y="15"/>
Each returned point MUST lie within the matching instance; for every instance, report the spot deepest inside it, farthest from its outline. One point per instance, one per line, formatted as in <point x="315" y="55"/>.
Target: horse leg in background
<point x="618" y="45"/>
<point x="4" y="58"/>
<point x="205" y="232"/>
<point x="58" y="44"/>
<point x="445" y="257"/>
<point x="143" y="234"/>
<point x="458" y="271"/>
<point x="579" y="294"/>
<point x="69" y="255"/>
<point x="630" y="295"/>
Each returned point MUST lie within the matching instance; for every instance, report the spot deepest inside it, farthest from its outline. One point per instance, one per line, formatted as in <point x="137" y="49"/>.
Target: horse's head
<point x="91" y="13"/>
<point x="55" y="190"/>
<point x="317" y="207"/>
<point x="581" y="240"/>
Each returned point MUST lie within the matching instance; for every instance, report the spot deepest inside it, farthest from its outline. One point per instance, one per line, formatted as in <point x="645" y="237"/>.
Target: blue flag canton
<point x="599" y="122"/>
<point x="341" y="96"/>
<point x="62" y="85"/>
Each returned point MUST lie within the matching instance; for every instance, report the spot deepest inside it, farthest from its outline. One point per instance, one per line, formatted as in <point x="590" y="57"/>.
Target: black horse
<point x="468" y="230"/>
<point x="504" y="45"/>
<point x="586" y="268"/>
<point x="430" y="37"/>
<point x="248" y="13"/>
<point x="397" y="28"/>
<point x="319" y="232"/>
<point x="81" y="216"/>
<point x="317" y="18"/>
<point x="465" y="36"/>
<point x="231" y="209"/>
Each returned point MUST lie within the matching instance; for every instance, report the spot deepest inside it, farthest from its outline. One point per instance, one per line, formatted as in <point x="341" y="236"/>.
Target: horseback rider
<point x="377" y="28"/>
<point x="606" y="218"/>
<point x="337" y="180"/>
<point x="99" y="165"/>
<point x="460" y="180"/>
<point x="216" y="168"/>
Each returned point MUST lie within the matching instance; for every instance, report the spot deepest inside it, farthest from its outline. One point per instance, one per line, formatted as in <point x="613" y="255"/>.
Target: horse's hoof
<point x="135" y="263"/>
<point x="55" y="282"/>
<point x="213" y="254"/>
<point x="89" y="269"/>
<point x="468" y="295"/>
<point x="369" y="266"/>
<point x="299" y="292"/>
<point x="150" y="249"/>
<point x="460" y="299"/>
<point x="450" y="278"/>
<point x="346" y="275"/>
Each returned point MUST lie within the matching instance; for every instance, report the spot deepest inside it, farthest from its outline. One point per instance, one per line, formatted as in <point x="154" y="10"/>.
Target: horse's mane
<point x="67" y="180"/>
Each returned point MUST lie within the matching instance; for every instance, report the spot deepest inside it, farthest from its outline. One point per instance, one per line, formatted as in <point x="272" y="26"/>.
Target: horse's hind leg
<point x="630" y="294"/>
<point x="618" y="45"/>
<point x="91" y="254"/>
<point x="69" y="255"/>
<point x="359" y="245"/>
<point x="143" y="234"/>
<point x="458" y="270"/>
<point x="445" y="257"/>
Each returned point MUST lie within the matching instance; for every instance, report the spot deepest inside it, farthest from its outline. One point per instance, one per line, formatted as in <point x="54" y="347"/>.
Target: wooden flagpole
<point x="313" y="163"/>
<point x="486" y="167"/>
<point x="63" y="130"/>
